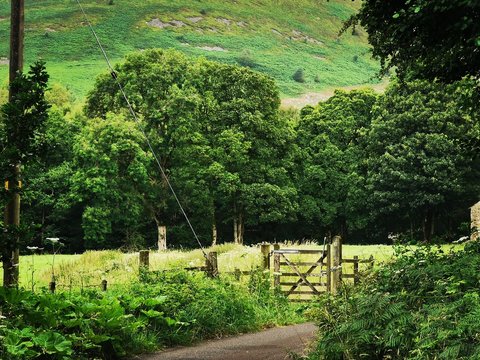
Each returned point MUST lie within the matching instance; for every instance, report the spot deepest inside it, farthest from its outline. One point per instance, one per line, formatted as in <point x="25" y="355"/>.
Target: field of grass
<point x="118" y="268"/>
<point x="90" y="268"/>
<point x="272" y="36"/>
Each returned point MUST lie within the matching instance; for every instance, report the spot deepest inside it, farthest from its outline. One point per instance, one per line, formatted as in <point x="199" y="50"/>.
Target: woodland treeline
<point x="403" y="165"/>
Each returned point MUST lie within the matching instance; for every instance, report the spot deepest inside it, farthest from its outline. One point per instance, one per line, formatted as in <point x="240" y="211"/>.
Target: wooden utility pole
<point x="17" y="26"/>
<point x="13" y="184"/>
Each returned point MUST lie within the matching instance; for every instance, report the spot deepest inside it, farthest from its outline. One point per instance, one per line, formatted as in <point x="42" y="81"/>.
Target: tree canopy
<point x="424" y="39"/>
<point x="332" y="173"/>
<point x="423" y="151"/>
<point x="217" y="132"/>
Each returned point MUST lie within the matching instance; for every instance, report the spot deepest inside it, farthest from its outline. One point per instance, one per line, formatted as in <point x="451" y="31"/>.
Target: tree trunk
<point x="214" y="226"/>
<point x="214" y="234"/>
<point x="411" y="228"/>
<point x="235" y="230"/>
<point x="238" y="225"/>
<point x="162" y="235"/>
<point x="238" y="229"/>
<point x="428" y="226"/>
<point x="241" y="228"/>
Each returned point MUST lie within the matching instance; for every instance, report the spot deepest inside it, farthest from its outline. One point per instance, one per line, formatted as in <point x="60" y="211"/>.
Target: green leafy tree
<point x="331" y="176"/>
<point x="157" y="84"/>
<point x="423" y="150"/>
<point x="251" y="147"/>
<point x="23" y="119"/>
<point x="215" y="128"/>
<point x="299" y="75"/>
<point x="110" y="178"/>
<point x="46" y="201"/>
<point x="424" y="39"/>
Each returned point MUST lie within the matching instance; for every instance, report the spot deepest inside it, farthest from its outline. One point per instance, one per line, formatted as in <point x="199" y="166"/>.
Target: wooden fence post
<point x="337" y="264"/>
<point x="276" y="266"/>
<point x="329" y="268"/>
<point x="265" y="248"/>
<point x="238" y="274"/>
<point x="104" y="285"/>
<point x="212" y="264"/>
<point x="52" y="286"/>
<point x="144" y="260"/>
<point x="356" y="275"/>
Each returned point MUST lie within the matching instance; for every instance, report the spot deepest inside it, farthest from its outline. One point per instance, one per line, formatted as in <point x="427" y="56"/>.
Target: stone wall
<point x="475" y="221"/>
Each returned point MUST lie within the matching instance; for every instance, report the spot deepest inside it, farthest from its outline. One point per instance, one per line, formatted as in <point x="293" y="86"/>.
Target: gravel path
<point x="271" y="344"/>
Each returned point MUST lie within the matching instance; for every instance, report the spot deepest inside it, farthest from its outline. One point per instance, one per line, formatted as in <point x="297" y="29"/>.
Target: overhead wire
<point x="137" y="120"/>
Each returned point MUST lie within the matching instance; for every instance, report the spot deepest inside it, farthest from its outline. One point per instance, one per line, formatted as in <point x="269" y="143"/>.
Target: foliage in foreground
<point x="166" y="308"/>
<point x="425" y="305"/>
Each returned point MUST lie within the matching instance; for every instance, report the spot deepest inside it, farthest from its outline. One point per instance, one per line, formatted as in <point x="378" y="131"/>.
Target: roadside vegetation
<point x="161" y="309"/>
<point x="424" y="305"/>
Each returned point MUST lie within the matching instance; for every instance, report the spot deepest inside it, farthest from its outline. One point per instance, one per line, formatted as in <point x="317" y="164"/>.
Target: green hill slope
<point x="276" y="37"/>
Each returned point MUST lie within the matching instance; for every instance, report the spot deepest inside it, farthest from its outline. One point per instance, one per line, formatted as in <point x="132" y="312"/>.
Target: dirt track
<point x="271" y="344"/>
<point x="312" y="98"/>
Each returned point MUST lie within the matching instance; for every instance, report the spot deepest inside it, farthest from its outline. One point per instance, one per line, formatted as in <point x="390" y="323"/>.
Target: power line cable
<point x="137" y="120"/>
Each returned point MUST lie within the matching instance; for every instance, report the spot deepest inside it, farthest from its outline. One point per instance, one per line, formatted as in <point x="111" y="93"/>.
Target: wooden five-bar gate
<point x="301" y="274"/>
<point x="297" y="277"/>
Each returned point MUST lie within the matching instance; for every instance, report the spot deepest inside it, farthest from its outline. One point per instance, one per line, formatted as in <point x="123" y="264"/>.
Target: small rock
<point x="158" y="24"/>
<point x="224" y="21"/>
<point x="177" y="23"/>
<point x="212" y="48"/>
<point x="195" y="19"/>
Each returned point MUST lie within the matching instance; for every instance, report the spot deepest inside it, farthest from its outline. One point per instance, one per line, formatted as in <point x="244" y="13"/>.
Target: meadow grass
<point x="278" y="36"/>
<point x="118" y="268"/>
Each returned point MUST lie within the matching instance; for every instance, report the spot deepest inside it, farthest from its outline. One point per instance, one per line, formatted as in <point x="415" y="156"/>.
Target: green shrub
<point x="246" y="59"/>
<point x="299" y="76"/>
<point x="425" y="305"/>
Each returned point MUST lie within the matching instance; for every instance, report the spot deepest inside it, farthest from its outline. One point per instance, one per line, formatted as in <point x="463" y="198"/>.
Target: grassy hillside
<point x="272" y="36"/>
